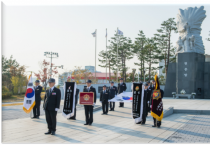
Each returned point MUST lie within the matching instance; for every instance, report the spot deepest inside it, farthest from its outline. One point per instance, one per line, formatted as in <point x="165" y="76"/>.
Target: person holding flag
<point x="29" y="99"/>
<point x="157" y="103"/>
<point x="38" y="90"/>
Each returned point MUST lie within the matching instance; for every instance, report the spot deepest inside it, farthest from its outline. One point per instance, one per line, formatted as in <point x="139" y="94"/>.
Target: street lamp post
<point x="138" y="76"/>
<point x="51" y="55"/>
<point x="134" y="70"/>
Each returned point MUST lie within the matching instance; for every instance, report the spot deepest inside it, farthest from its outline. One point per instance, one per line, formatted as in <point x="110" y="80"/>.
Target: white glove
<point x="148" y="102"/>
<point x="56" y="109"/>
<point x="94" y="104"/>
<point x="150" y="106"/>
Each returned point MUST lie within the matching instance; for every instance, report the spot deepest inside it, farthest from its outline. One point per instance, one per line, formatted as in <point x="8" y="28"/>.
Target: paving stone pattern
<point x="16" y="112"/>
<point x="196" y="130"/>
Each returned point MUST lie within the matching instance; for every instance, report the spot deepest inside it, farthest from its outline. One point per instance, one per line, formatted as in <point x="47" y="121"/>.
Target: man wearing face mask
<point x="121" y="88"/>
<point x="89" y="108"/>
<point x="51" y="105"/>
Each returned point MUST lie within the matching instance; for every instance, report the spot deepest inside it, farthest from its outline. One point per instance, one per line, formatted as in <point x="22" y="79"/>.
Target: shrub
<point x="6" y="95"/>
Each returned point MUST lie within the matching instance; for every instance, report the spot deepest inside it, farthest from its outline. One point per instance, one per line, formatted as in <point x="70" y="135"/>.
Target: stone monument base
<point x="190" y="73"/>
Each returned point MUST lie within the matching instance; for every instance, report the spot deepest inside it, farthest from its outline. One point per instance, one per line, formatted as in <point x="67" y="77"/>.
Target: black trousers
<point x="51" y="119"/>
<point x="74" y="117"/>
<point x="89" y="114"/>
<point x="36" y="109"/>
<point x="158" y="123"/>
<point x="112" y="105"/>
<point x="144" y="115"/>
<point x="121" y="104"/>
<point x="105" y="106"/>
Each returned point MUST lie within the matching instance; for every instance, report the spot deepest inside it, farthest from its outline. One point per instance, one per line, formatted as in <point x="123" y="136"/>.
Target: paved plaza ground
<point x="117" y="127"/>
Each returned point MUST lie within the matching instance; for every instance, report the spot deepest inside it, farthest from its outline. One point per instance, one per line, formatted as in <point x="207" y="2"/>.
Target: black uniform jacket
<point x="52" y="100"/>
<point x="104" y="96"/>
<point x="76" y="96"/>
<point x="121" y="88"/>
<point x="92" y="89"/>
<point x="38" y="91"/>
<point x="112" y="92"/>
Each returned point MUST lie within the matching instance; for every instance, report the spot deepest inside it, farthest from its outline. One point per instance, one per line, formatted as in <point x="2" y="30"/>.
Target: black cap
<point x="112" y="82"/>
<point x="104" y="86"/>
<point x="37" y="81"/>
<point x="121" y="78"/>
<point x="51" y="80"/>
<point x="148" y="82"/>
<point x="89" y="81"/>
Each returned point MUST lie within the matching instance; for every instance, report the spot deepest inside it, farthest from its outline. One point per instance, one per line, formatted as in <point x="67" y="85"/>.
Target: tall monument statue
<point x="189" y="27"/>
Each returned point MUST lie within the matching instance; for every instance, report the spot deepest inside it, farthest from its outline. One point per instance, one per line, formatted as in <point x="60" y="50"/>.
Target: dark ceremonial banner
<point x="157" y="105"/>
<point x="137" y="100"/>
<point x="69" y="99"/>
<point x="86" y="98"/>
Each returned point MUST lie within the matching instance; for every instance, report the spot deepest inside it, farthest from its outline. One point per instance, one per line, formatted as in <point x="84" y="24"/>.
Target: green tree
<point x="7" y="64"/>
<point x="165" y="32"/>
<point x="15" y="82"/>
<point x="139" y="50"/>
<point x="152" y="55"/>
<point x="124" y="45"/>
<point x="107" y="60"/>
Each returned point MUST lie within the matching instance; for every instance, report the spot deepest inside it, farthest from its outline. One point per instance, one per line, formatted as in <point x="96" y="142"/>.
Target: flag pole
<point x="106" y="55"/>
<point x="34" y="96"/>
<point x="95" y="54"/>
<point x="117" y="55"/>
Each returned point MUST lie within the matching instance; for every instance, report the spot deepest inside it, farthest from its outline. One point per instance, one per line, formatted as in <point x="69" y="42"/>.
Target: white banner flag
<point x="29" y="99"/>
<point x="123" y="97"/>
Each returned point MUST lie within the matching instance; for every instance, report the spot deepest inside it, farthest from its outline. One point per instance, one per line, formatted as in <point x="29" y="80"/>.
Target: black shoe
<point x="90" y="124"/>
<point x="53" y="133"/>
<point x="37" y="117"/>
<point x="142" y="123"/>
<point x="85" y="124"/>
<point x="49" y="132"/>
<point x="158" y="126"/>
<point x="154" y="126"/>
<point x="138" y="123"/>
<point x="33" y="118"/>
<point x="113" y="110"/>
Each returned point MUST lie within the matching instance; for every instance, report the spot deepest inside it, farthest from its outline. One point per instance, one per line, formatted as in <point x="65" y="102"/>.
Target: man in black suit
<point x="121" y="88"/>
<point x="51" y="106"/>
<point x="112" y="93"/>
<point x="104" y="97"/>
<point x="149" y="91"/>
<point x="36" y="109"/>
<point x="144" y="115"/>
<point x="76" y="100"/>
<point x="89" y="108"/>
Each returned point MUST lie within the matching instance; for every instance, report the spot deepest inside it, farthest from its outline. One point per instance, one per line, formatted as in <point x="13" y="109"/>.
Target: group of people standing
<point x="53" y="97"/>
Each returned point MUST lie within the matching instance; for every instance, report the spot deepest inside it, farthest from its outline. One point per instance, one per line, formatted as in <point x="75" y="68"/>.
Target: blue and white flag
<point x="119" y="32"/>
<point x="94" y="34"/>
